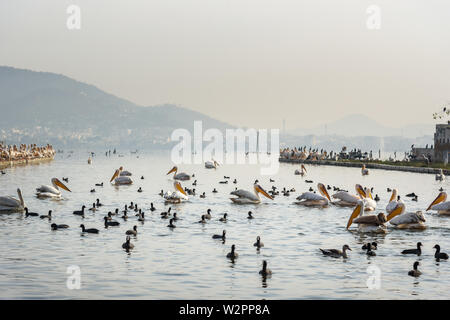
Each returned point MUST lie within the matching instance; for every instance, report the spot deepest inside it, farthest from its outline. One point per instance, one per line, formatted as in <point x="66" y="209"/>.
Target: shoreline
<point x="368" y="164"/>
<point x="23" y="162"/>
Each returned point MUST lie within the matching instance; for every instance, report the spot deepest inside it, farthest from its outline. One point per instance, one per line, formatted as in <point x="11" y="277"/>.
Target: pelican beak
<point x="440" y="198"/>
<point x="398" y="210"/>
<point x="172" y="170"/>
<point x="360" y="191"/>
<point x="179" y="188"/>
<point x="324" y="191"/>
<point x="261" y="190"/>
<point x="355" y="213"/>
<point x="303" y="167"/>
<point x="216" y="163"/>
<point x="61" y="185"/>
<point x="392" y="196"/>
<point x="115" y="175"/>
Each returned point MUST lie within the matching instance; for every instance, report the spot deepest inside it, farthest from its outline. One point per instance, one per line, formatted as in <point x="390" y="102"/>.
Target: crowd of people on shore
<point x="25" y="152"/>
<point x="303" y="153"/>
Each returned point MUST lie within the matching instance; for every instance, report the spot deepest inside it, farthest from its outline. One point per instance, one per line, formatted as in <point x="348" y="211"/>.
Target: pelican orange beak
<point x="61" y="185"/>
<point x="179" y="188"/>
<point x="115" y="175"/>
<point x="360" y="191"/>
<point x="394" y="195"/>
<point x="174" y="169"/>
<point x="397" y="211"/>
<point x="355" y="214"/>
<point x="440" y="198"/>
<point x="261" y="190"/>
<point x="323" y="191"/>
<point x="303" y="167"/>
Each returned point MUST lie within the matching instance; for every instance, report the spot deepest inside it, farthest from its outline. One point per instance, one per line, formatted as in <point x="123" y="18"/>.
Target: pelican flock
<point x="359" y="203"/>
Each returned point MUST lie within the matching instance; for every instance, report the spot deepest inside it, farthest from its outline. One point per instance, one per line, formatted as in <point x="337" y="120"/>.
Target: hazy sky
<point x="247" y="62"/>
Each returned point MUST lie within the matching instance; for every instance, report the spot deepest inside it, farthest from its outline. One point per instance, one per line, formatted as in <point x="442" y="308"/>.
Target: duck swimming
<point x="265" y="271"/>
<point x="127" y="245"/>
<point x="220" y="236"/>
<point x="152" y="208"/>
<point x="208" y="214"/>
<point x="438" y="254"/>
<point x="110" y="223"/>
<point x="369" y="251"/>
<point x="232" y="255"/>
<point x="335" y="253"/>
<point x="417" y="251"/>
<point x="55" y="226"/>
<point x="374" y="246"/>
<point x="415" y="272"/>
<point x="171" y="225"/>
<point x="80" y="212"/>
<point x="92" y="230"/>
<point x="30" y="214"/>
<point x="48" y="216"/>
<point x="132" y="232"/>
<point x="224" y="218"/>
<point x="203" y="219"/>
<point x="258" y="243"/>
<point x="250" y="215"/>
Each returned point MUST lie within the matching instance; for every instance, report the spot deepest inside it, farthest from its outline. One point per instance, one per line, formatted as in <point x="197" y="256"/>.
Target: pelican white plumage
<point x="393" y="201"/>
<point x="406" y="220"/>
<point x="179" y="176"/>
<point x="246" y="197"/>
<point x="177" y="196"/>
<point x="10" y="204"/>
<point x="52" y="191"/>
<point x="120" y="179"/>
<point x="301" y="172"/>
<point x="440" y="204"/>
<point x="311" y="199"/>
<point x="369" y="203"/>
<point x="364" y="171"/>
<point x="440" y="176"/>
<point x="211" y="164"/>
<point x="367" y="222"/>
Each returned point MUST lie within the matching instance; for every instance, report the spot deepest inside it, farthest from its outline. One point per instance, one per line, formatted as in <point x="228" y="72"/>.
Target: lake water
<point x="186" y="263"/>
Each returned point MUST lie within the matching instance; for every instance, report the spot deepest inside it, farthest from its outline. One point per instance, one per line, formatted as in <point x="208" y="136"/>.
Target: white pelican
<point x="124" y="173"/>
<point x="393" y="201"/>
<point x="368" y="222"/>
<point x="302" y="172"/>
<point x="364" y="171"/>
<point x="366" y="195"/>
<point x="10" y="204"/>
<point x="46" y="191"/>
<point x="440" y="176"/>
<point x="246" y="197"/>
<point x="177" y="196"/>
<point x="409" y="220"/>
<point x="311" y="199"/>
<point x="440" y="204"/>
<point x="211" y="164"/>
<point x="179" y="176"/>
<point x="120" y="179"/>
<point x="348" y="200"/>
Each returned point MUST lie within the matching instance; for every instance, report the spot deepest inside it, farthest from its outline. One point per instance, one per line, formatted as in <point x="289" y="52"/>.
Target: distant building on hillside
<point x="442" y="142"/>
<point x="441" y="150"/>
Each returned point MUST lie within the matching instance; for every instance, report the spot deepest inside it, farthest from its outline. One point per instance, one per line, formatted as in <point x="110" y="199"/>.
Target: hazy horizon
<point x="248" y="63"/>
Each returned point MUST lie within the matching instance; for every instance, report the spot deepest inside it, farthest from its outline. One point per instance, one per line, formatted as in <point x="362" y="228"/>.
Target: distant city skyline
<point x="248" y="63"/>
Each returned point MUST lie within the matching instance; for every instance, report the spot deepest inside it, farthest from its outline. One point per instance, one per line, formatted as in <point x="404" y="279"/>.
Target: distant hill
<point x="46" y="107"/>
<point x="360" y="125"/>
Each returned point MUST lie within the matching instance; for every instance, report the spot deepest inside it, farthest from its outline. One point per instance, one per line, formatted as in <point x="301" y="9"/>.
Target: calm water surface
<point x="186" y="263"/>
